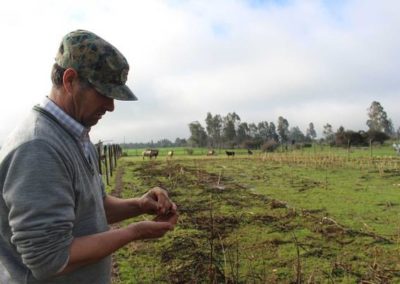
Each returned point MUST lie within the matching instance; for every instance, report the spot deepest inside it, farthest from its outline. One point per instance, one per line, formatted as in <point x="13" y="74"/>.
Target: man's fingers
<point x="156" y="201"/>
<point x="151" y="206"/>
<point x="150" y="229"/>
<point x="165" y="204"/>
<point x="174" y="219"/>
<point x="171" y="218"/>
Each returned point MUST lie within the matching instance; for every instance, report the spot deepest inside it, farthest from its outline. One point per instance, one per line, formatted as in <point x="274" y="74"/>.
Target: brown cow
<point x="150" y="153"/>
<point x="210" y="153"/>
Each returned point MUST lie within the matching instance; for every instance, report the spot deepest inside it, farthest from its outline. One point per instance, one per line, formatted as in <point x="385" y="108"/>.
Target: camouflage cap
<point x="97" y="61"/>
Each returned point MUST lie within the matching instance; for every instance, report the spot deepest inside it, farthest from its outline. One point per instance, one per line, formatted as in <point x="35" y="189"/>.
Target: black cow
<point x="230" y="153"/>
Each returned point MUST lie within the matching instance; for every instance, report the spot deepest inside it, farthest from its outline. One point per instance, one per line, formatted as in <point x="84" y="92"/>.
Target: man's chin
<point x="91" y="123"/>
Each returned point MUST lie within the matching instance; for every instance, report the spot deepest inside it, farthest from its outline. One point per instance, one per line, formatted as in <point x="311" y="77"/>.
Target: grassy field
<point x="318" y="215"/>
<point x="354" y="152"/>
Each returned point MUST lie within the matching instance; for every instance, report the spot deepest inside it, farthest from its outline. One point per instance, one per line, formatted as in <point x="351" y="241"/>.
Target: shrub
<point x="251" y="144"/>
<point x="269" y="146"/>
<point x="189" y="151"/>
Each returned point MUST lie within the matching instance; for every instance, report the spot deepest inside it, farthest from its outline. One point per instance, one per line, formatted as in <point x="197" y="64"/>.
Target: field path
<point x="116" y="191"/>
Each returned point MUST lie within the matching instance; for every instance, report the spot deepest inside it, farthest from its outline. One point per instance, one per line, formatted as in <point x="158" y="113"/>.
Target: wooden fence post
<point x="106" y="163"/>
<point x="370" y="147"/>
<point x="109" y="154"/>
<point x="98" y="147"/>
<point x="115" y="146"/>
<point x="110" y="157"/>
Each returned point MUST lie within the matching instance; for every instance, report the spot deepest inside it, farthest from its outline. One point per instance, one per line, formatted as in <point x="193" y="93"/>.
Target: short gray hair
<point x="57" y="74"/>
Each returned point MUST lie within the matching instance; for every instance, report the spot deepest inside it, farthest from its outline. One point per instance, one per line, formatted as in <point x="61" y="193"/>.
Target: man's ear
<point x="69" y="77"/>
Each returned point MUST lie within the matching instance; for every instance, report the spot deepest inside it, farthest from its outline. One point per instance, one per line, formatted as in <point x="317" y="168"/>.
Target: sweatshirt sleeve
<point x="39" y="193"/>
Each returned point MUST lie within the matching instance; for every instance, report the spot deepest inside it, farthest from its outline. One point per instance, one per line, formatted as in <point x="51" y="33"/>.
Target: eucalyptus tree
<point x="328" y="134"/>
<point x="263" y="129"/>
<point x="214" y="129"/>
<point x="378" y="119"/>
<point x="243" y="132"/>
<point x="311" y="133"/>
<point x="283" y="129"/>
<point x="230" y="124"/>
<point x="198" y="136"/>
<point x="296" y="135"/>
<point x="253" y="130"/>
<point x="272" y="134"/>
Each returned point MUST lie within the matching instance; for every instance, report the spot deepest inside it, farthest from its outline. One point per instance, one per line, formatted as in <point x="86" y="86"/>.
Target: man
<point x="54" y="212"/>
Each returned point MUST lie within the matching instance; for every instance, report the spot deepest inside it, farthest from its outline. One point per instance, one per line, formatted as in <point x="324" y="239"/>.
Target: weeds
<point x="271" y="219"/>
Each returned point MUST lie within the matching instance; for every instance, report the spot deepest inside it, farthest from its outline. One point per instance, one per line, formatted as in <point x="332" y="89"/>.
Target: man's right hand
<point x="153" y="229"/>
<point x="92" y="248"/>
<point x="171" y="217"/>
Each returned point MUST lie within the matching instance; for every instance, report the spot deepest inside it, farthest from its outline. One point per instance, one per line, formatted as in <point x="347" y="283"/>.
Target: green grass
<point x="181" y="151"/>
<point x="324" y="217"/>
<point x="316" y="149"/>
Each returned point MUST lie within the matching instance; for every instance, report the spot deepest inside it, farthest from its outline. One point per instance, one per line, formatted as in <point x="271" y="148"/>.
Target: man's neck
<point x="62" y="100"/>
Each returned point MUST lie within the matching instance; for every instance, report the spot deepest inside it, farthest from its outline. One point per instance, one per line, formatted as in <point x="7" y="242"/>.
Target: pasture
<point x="305" y="216"/>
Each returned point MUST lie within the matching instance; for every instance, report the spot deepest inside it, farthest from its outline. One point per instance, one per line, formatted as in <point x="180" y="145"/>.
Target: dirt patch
<point x="196" y="265"/>
<point x="117" y="190"/>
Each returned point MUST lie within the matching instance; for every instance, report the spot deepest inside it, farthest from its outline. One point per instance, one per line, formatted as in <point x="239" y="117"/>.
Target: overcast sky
<point x="308" y="61"/>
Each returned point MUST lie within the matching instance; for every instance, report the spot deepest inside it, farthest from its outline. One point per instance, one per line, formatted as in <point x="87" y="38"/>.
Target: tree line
<point x="230" y="131"/>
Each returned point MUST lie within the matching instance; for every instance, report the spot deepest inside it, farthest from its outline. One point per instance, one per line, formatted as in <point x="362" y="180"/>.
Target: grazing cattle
<point x="230" y="153"/>
<point x="249" y="152"/>
<point x="150" y="153"/>
<point x="170" y="154"/>
<point x="210" y="153"/>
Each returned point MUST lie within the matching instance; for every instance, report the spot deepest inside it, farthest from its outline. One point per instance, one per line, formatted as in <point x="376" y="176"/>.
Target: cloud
<point x="319" y="61"/>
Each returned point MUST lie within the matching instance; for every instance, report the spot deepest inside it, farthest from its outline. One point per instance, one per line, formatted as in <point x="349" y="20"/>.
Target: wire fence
<point x="108" y="156"/>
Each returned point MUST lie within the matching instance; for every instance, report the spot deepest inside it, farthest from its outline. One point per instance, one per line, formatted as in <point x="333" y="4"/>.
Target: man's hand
<point x="92" y="248"/>
<point x="89" y="249"/>
<point x="152" y="229"/>
<point x="171" y="218"/>
<point x="156" y="201"/>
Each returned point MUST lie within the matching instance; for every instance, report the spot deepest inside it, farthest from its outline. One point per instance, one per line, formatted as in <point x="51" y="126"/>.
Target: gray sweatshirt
<point x="50" y="194"/>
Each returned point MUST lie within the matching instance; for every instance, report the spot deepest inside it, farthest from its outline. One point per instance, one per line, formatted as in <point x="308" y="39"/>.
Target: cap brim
<point x="118" y="92"/>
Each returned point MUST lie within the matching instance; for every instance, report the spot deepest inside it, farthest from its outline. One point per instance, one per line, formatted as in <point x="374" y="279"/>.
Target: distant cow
<point x="230" y="153"/>
<point x="396" y="147"/>
<point x="249" y="152"/>
<point x="150" y="153"/>
<point x="210" y="153"/>
<point x="170" y="154"/>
